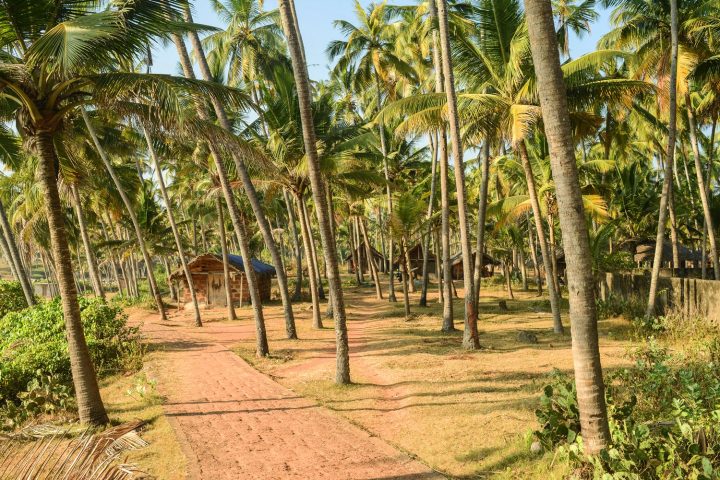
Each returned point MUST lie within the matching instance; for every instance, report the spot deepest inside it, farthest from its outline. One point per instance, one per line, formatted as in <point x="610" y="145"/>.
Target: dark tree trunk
<point x="342" y="374"/>
<point x="581" y="286"/>
<point x="90" y="406"/>
<point x="14" y="258"/>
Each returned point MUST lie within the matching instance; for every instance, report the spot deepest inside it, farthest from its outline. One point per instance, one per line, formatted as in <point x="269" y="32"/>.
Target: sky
<point x="316" y="25"/>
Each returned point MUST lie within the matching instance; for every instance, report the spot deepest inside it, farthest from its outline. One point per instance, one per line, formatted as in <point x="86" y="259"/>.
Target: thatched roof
<point x="361" y="251"/>
<point x="486" y="260"/>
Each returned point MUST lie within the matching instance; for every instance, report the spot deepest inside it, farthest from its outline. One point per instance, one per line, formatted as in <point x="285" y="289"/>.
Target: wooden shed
<point x="209" y="280"/>
<point x="415" y="253"/>
<point x="488" y="265"/>
<point x="361" y="252"/>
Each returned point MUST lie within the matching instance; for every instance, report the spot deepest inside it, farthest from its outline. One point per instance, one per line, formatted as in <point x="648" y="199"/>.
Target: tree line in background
<point x="453" y="125"/>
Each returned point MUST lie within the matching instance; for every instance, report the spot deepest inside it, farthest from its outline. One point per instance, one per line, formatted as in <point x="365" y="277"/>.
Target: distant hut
<point x="643" y="251"/>
<point x="209" y="279"/>
<point x="488" y="265"/>
<point x="378" y="258"/>
<point x="416" y="256"/>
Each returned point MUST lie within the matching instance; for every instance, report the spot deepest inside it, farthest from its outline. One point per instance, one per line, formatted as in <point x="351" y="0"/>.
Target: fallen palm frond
<point x="48" y="452"/>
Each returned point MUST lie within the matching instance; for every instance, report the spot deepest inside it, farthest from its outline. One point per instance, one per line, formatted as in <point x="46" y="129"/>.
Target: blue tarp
<point x="259" y="267"/>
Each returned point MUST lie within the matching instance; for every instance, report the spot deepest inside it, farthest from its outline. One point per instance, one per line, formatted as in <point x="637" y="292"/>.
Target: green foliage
<point x="12" y="298"/>
<point x="34" y="341"/>
<point x="45" y="395"/>
<point x="664" y="418"/>
<point x="558" y="414"/>
<point x="615" y="306"/>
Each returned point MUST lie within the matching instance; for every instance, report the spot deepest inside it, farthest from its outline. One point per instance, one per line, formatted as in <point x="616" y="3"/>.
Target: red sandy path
<point x="236" y="423"/>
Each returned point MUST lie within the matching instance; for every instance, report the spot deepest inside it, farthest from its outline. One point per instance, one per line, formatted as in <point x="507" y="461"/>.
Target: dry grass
<point x="162" y="458"/>
<point x="467" y="414"/>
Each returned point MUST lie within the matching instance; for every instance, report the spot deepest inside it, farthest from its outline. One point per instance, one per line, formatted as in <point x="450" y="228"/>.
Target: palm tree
<point x="370" y="51"/>
<point x="130" y="210"/>
<point x="470" y="337"/>
<point x="45" y="73"/>
<point x="173" y="225"/>
<point x="556" y="118"/>
<point x="342" y="372"/>
<point x="262" y="348"/>
<point x="249" y="188"/>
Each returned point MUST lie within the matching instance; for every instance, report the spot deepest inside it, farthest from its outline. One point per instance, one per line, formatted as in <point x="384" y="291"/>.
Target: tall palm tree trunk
<point x="471" y="340"/>
<point x="14" y="258"/>
<point x="90" y="405"/>
<point x="448" y="324"/>
<point x="405" y="278"/>
<point x="226" y="260"/>
<point x="581" y="287"/>
<point x="342" y="373"/>
<point x="297" y="296"/>
<point x="482" y="208"/>
<point x="8" y="257"/>
<point x="669" y="161"/>
<point x="311" y="266"/>
<point x="131" y="213"/>
<point x="113" y="258"/>
<point x="89" y="255"/>
<point x="709" y="224"/>
<point x="371" y="260"/>
<point x="249" y="189"/>
<point x="173" y="227"/>
<point x="428" y="234"/>
<point x="533" y="254"/>
<point x="388" y="193"/>
<point x="313" y="249"/>
<point x="262" y="348"/>
<point x="544" y="250"/>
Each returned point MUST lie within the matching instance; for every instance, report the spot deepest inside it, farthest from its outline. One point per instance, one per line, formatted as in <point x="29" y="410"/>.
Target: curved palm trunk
<point x="262" y="348"/>
<point x="173" y="227"/>
<point x="8" y="257"/>
<point x="226" y="259"/>
<point x="113" y="258"/>
<point x="131" y="213"/>
<point x="249" y="189"/>
<point x="581" y="287"/>
<point x="14" y="258"/>
<point x="533" y="254"/>
<point x="482" y="208"/>
<point x="709" y="224"/>
<point x="342" y="374"/>
<point x="312" y="273"/>
<point x="297" y="296"/>
<point x="90" y="406"/>
<point x="388" y="193"/>
<point x="313" y="250"/>
<point x="544" y="250"/>
<point x="669" y="161"/>
<point x="89" y="256"/>
<point x="371" y="260"/>
<point x="471" y="340"/>
<point x="428" y="234"/>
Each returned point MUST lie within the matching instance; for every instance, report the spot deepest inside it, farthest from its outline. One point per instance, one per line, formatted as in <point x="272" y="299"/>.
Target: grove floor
<point x="416" y="394"/>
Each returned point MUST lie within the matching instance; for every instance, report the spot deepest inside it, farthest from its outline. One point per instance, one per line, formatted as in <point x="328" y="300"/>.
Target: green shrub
<point x="33" y="341"/>
<point x="664" y="418"/>
<point x="45" y="395"/>
<point x="12" y="298"/>
<point x="615" y="306"/>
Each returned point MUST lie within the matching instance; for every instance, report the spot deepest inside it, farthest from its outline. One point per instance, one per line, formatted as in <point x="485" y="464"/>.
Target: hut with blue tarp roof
<point x="209" y="280"/>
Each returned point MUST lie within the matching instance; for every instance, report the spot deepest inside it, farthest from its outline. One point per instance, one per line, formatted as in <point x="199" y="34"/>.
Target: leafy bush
<point x="45" y="395"/>
<point x="615" y="306"/>
<point x="34" y="341"/>
<point x="12" y="298"/>
<point x="664" y="418"/>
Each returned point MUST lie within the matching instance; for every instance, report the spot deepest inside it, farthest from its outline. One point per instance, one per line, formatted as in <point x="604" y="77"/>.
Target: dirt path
<point x="234" y="422"/>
